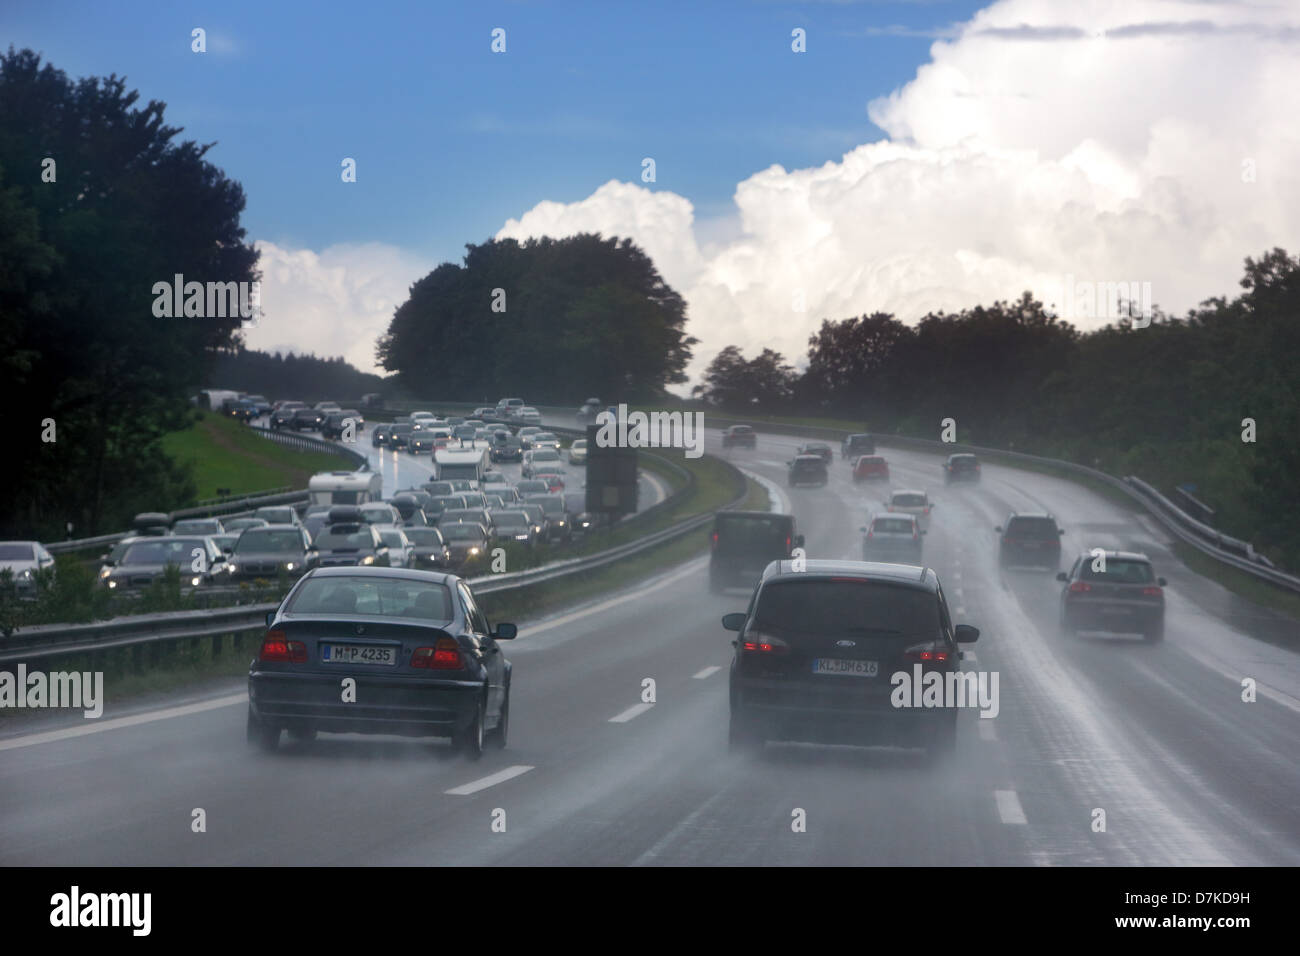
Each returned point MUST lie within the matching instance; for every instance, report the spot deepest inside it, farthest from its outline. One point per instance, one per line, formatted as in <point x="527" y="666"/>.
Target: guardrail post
<point x="216" y="646"/>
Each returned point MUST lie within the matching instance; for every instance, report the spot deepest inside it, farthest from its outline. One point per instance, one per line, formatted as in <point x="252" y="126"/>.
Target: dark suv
<point x="307" y="418"/>
<point x="1030" y="540"/>
<point x="1113" y="591"/>
<point x="820" y="648"/>
<point x="961" y="468"/>
<point x="855" y="445"/>
<point x="739" y="436"/>
<point x="744" y="543"/>
<point x="807" y="470"/>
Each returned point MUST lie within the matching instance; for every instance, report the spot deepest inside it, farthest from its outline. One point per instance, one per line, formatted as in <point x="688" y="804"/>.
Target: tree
<point x="731" y="382"/>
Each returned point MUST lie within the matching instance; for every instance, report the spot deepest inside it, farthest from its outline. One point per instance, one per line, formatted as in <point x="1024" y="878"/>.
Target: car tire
<point x="499" y="734"/>
<point x="470" y="741"/>
<point x="1155" y="634"/>
<point x="264" y="737"/>
<point x="741" y="737"/>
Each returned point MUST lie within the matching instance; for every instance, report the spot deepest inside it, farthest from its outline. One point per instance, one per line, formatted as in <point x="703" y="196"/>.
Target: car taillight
<point x="927" y="509"/>
<point x="787" y="544"/>
<point x="714" y="540"/>
<point x="443" y="656"/>
<point x="1153" y="591"/>
<point x="276" y="647"/>
<point x="762" y="644"/>
<point x="1080" y="587"/>
<point x="934" y="653"/>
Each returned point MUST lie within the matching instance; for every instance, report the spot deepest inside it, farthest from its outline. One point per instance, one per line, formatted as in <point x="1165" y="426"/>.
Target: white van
<point x="345" y="487"/>
<point x="469" y="463"/>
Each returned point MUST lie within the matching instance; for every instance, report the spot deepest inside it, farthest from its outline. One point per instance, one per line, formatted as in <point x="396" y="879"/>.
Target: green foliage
<point x="583" y="312"/>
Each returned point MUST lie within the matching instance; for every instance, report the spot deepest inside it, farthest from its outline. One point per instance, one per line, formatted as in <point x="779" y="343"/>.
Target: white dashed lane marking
<point x="635" y="710"/>
<point x="1009" y="808"/>
<point x="501" y="776"/>
<point x="707" y="672"/>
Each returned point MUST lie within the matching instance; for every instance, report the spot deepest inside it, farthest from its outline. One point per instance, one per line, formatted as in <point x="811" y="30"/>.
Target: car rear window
<point x="372" y="596"/>
<point x="424" y="537"/>
<point x="195" y="527"/>
<point x="463" y="532"/>
<point x="165" y="551"/>
<point x="752" y="533"/>
<point x="1118" y="571"/>
<point x="510" y="519"/>
<point x="545" y="454"/>
<point x="332" y="539"/>
<point x="909" y="501"/>
<point x="892" y="526"/>
<point x="1037" y="528"/>
<point x="870" y="608"/>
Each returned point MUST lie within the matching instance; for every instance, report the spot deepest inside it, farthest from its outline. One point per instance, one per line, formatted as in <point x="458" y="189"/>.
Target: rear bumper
<point x="412" y="707"/>
<point x="1030" y="557"/>
<point x="892" y="555"/>
<point x="778" y="710"/>
<point x="1117" y="617"/>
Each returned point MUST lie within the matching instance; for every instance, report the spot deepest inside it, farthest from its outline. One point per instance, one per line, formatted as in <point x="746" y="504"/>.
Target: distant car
<point x="870" y="468"/>
<point x="436" y="488"/>
<point x="410" y="509"/>
<point x="541" y="459"/>
<point x="307" y="419"/>
<point x="536" y="516"/>
<point x="350" y="544"/>
<point x="277" y="514"/>
<point x="472" y="515"/>
<point x="239" y="524"/>
<point x="588" y="412"/>
<point x="819" y="647"/>
<point x="578" y="452"/>
<point x="198" y="559"/>
<point x="557" y="515"/>
<point x="466" y="542"/>
<point x="25" y="559"/>
<point x="327" y="406"/>
<point x="422" y="653"/>
<point x="399" y="436"/>
<point x="259" y="403"/>
<point x="336" y="423"/>
<point x="226" y="541"/>
<point x="853" y="446"/>
<point x="807" y="470"/>
<point x="544" y="440"/>
<point x="743" y="543"/>
<point x="198" y="526"/>
<point x="526" y="434"/>
<point x="443" y="503"/>
<point x="401" y="552"/>
<point x="282" y="417"/>
<point x="151" y="523"/>
<point x="553" y="477"/>
<point x="485" y="411"/>
<point x="961" y="468"/>
<point x="505" y="447"/>
<point x="240" y="410"/>
<point x="265" y="552"/>
<point x="1030" y="540"/>
<point x="421" y="442"/>
<point x="1115" y="592"/>
<point x="509" y="407"/>
<point x="739" y="436"/>
<point x="892" y="538"/>
<point x="515" y="526"/>
<point x="430" y="550"/>
<point x="379" y="435"/>
<point x="531" y="487"/>
<point x="911" y="501"/>
<point x="371" y="400"/>
<point x="530" y="415"/>
<point x="379" y="512"/>
<point x="820" y="449"/>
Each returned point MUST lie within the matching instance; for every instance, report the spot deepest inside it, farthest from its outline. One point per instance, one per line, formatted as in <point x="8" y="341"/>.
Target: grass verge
<point x="1239" y="582"/>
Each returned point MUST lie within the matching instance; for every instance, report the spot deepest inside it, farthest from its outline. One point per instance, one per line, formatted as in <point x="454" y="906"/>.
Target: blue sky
<point x="450" y="139"/>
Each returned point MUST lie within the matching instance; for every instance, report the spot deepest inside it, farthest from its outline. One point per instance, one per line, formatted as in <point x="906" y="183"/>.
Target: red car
<point x="554" y="480"/>
<point x="869" y="467"/>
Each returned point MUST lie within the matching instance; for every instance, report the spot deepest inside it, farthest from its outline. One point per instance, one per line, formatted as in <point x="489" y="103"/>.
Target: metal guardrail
<point x="54" y="640"/>
<point x="358" y="461"/>
<point x="1232" y="551"/>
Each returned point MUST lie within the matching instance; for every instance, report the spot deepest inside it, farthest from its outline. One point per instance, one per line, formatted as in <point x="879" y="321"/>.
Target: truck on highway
<point x="345" y="487"/>
<point x="452" y="462"/>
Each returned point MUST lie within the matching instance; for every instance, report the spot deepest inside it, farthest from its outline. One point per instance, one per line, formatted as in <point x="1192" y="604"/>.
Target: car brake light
<point x="787" y="544"/>
<point x="275" y="647"/>
<point x="927" y="509"/>
<point x="762" y="644"/>
<point x="934" y="653"/>
<point x="1079" y="587"/>
<point x="1153" y="591"/>
<point x="443" y="656"/>
<point x="715" y="540"/>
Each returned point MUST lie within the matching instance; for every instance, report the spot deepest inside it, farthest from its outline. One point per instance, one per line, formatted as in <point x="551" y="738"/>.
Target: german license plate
<point x="831" y="665"/>
<point x="358" y="654"/>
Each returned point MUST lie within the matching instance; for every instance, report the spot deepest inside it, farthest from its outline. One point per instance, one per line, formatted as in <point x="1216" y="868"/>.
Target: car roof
<point x="1031" y="514"/>
<point x="907" y="491"/>
<point x="1119" y="555"/>
<point x="914" y="576"/>
<point x="808" y="458"/>
<point x="404" y="573"/>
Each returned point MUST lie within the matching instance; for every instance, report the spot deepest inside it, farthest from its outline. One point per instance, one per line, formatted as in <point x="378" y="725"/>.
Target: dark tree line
<point x="1165" y="402"/>
<point x="98" y="202"/>
<point x="578" y="315"/>
<point x="305" y="378"/>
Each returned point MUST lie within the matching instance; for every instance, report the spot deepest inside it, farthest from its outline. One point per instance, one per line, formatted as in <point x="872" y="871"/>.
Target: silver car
<point x="894" y="538"/>
<point x="24" y="559"/>
<point x="911" y="501"/>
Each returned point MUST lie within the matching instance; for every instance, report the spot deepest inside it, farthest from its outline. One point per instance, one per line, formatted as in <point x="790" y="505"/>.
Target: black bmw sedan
<point x="381" y="651"/>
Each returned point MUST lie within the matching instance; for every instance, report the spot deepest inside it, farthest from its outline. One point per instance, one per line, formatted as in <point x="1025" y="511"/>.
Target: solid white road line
<point x="99" y="726"/>
<point x="634" y="711"/>
<point x="500" y="776"/>
<point x="1009" y="808"/>
<point x="707" y="672"/>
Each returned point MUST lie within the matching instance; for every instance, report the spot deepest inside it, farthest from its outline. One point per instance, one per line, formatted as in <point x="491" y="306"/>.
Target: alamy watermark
<point x="1086" y="299"/>
<point x="208" y="300"/>
<point x="652" y="430"/>
<point x="934" y="689"/>
<point x="78" y="690"/>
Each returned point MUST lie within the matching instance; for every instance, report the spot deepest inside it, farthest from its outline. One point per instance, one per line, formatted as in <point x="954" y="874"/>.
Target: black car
<point x="506" y="447"/>
<point x="855" y="446"/>
<point x="743" y="543"/>
<point x="1113" y="591"/>
<point x="512" y="525"/>
<point x="441" y="503"/>
<point x="420" y="442"/>
<point x="471" y="515"/>
<point x="807" y="470"/>
<point x="820" y="449"/>
<point x="467" y="543"/>
<point x="431" y="550"/>
<point x="337" y="422"/>
<point x="409" y="508"/>
<point x="559" y="523"/>
<point x="145" y="560"/>
<point x="399" y="436"/>
<point x="1030" y="540"/>
<point x="425" y="661"/>
<point x="379" y="435"/>
<point x="265" y="552"/>
<point x="282" y="417"/>
<point x="259" y="402"/>
<point x="348" y="541"/>
<point x="962" y="467"/>
<point x="240" y="410"/>
<point x="819" y="649"/>
<point x="739" y="436"/>
<point x="307" y="419"/>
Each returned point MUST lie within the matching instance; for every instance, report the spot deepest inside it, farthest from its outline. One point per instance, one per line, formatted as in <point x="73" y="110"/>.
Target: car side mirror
<point x="270" y="618"/>
<point x="966" y="634"/>
<point x="734" y="621"/>
<point x="998" y="529"/>
<point x="1161" y="581"/>
<point x="505" y="632"/>
<point x="1062" y="576"/>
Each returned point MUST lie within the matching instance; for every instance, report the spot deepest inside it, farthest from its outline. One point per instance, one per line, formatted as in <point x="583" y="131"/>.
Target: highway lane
<point x="1156" y="736"/>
